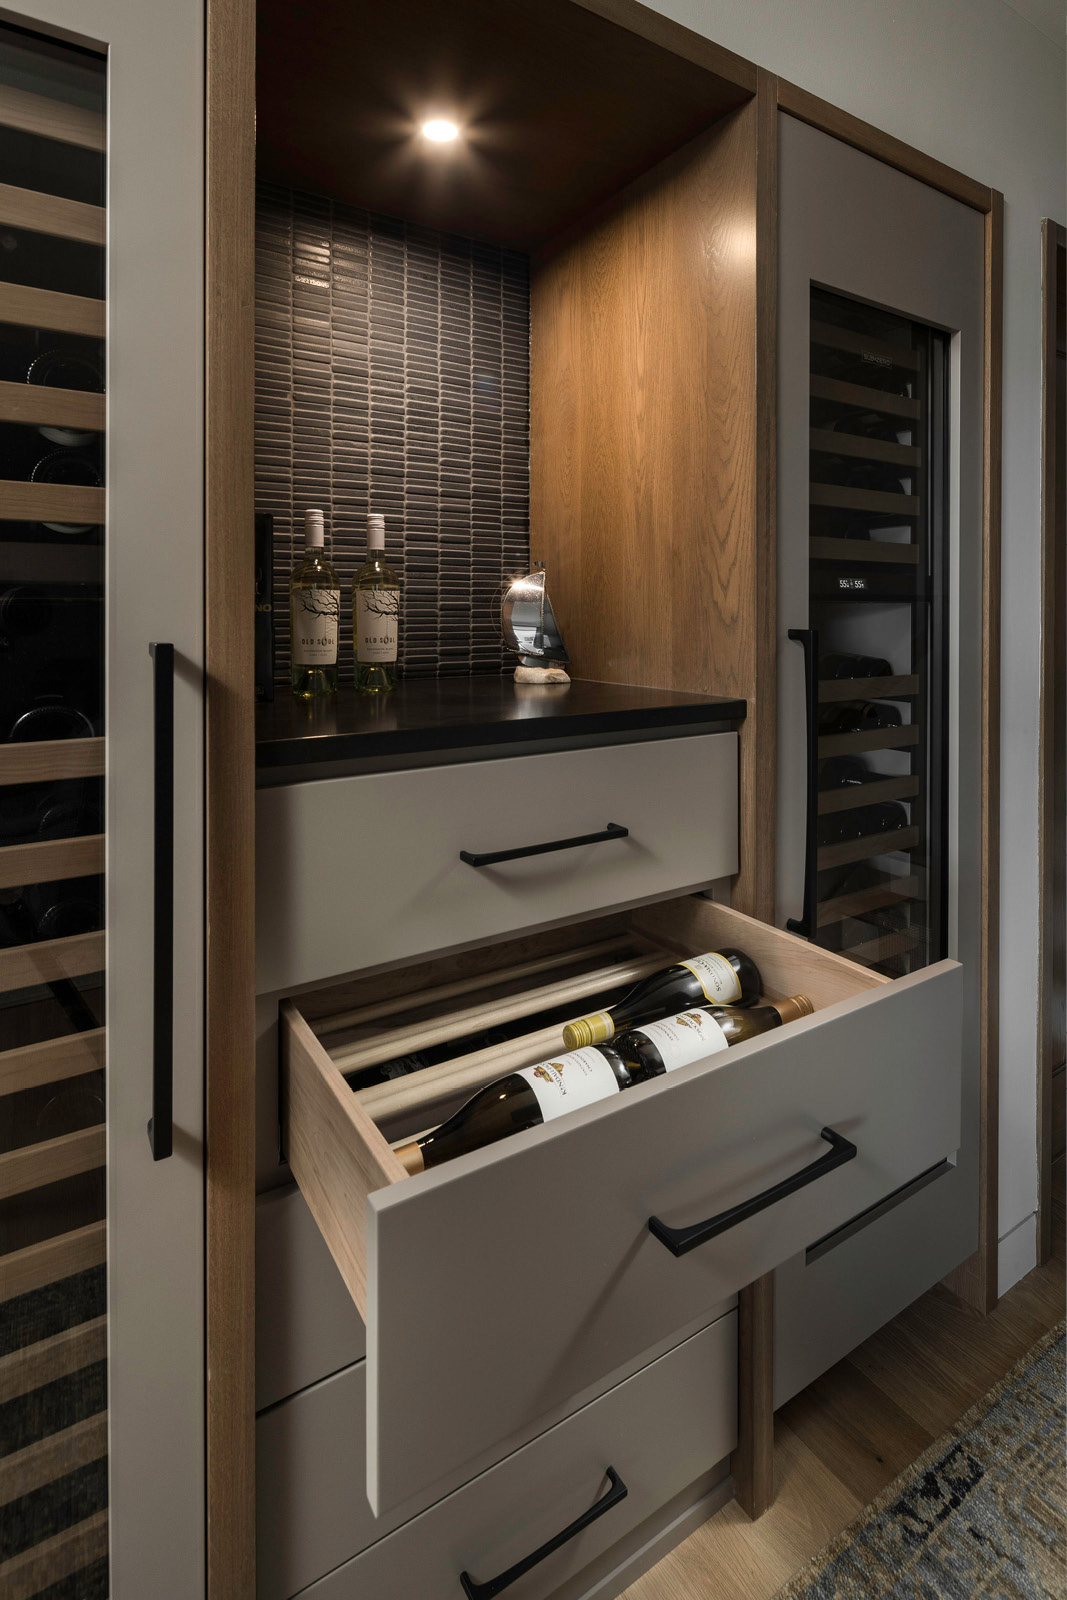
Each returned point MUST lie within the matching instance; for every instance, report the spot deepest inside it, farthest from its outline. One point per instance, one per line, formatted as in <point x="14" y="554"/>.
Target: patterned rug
<point x="979" y="1516"/>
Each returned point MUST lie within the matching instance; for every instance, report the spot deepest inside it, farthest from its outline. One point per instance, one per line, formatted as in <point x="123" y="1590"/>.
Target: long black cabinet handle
<point x="680" y="1241"/>
<point x="490" y="858"/>
<point x="161" y="1122"/>
<point x="493" y="1586"/>
<point x="809" y="639"/>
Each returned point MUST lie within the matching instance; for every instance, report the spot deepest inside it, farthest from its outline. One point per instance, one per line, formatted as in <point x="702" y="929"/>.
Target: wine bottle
<point x="534" y="1095"/>
<point x="724" y="977"/>
<point x="314" y="612"/>
<point x="859" y="716"/>
<point x="884" y="817"/>
<point x="839" y="664"/>
<point x="844" y="772"/>
<point x="375" y="614"/>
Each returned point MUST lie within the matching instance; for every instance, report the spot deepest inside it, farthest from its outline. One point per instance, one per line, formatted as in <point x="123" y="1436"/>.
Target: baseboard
<point x="625" y="1562"/>
<point x="1016" y="1254"/>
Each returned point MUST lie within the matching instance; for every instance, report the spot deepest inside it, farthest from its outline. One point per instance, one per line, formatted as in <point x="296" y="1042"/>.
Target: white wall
<point x="980" y="85"/>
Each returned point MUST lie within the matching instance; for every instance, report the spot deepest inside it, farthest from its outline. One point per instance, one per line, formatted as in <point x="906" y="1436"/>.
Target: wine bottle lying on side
<point x="537" y="1094"/>
<point x="718" y="978"/>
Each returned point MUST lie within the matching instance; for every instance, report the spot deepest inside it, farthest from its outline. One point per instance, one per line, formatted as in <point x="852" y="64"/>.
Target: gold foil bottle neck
<point x="410" y="1157"/>
<point x="596" y="1029"/>
<point x="798" y="1005"/>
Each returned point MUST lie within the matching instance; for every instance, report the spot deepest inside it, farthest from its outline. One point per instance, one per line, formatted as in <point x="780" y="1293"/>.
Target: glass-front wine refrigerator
<point x="875" y="649"/>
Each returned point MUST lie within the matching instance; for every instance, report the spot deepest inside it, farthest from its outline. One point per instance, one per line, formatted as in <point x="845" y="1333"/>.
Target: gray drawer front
<point x="660" y="1430"/>
<point x="306" y="1324"/>
<point x="503" y="1286"/>
<point x="357" y="872"/>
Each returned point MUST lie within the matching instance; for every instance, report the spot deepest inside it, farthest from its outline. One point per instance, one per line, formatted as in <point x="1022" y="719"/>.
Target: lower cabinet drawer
<point x="504" y="1288"/>
<point x="658" y="1431"/>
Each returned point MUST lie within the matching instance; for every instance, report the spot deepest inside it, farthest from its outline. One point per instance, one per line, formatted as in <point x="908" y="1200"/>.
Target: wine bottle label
<point x="570" y="1082"/>
<point x="377" y="615"/>
<point x="315" y="616"/>
<point x="687" y="1037"/>
<point x="716" y="977"/>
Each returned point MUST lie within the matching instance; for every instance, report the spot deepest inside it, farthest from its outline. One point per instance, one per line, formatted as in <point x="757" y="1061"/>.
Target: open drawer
<point x="503" y="1288"/>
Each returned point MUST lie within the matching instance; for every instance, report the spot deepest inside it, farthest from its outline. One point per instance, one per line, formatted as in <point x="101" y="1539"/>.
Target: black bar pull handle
<point x="490" y="858"/>
<point x="161" y="1122"/>
<point x="809" y="639"/>
<point x="680" y="1241"/>
<point x="616" y="1491"/>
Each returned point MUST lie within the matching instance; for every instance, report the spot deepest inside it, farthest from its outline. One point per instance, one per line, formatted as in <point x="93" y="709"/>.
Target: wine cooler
<point x="875" y="649"/>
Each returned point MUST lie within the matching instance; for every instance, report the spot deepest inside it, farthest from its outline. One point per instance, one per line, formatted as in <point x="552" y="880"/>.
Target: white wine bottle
<point x="314" y="612"/>
<point x="723" y="977"/>
<point x="375" y="614"/>
<point x="533" y="1095"/>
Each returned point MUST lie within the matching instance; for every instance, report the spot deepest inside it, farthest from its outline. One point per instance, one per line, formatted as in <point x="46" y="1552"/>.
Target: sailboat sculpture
<point x="529" y="626"/>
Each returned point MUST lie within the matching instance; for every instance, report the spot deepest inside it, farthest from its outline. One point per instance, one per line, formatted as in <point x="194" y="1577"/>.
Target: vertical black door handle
<point x="161" y="1122"/>
<point x="809" y="638"/>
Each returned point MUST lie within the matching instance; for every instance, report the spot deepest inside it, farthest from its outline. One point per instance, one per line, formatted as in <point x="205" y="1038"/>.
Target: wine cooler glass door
<point x="101" y="1306"/>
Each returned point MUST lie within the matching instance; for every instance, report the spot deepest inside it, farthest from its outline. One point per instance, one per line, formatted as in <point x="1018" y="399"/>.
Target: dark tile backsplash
<point x="392" y="375"/>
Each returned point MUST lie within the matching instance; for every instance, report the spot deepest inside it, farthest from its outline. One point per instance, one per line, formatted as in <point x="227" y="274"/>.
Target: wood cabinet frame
<point x="230" y="749"/>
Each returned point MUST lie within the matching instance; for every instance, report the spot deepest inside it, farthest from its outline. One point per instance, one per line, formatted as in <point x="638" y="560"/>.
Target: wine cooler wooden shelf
<point x="51" y="1061"/>
<point x="822" y="548"/>
<point x="875" y="844"/>
<point x="866" y="794"/>
<point x="844" y="497"/>
<point x="51" y="760"/>
<point x="51" y="214"/>
<point x="874" y="951"/>
<point x="896" y="688"/>
<point x="33" y="1165"/>
<point x="36" y="1265"/>
<point x="828" y="441"/>
<point x="53" y="1457"/>
<point x="41" y="406"/>
<point x="34" y="1365"/>
<point x="44" y="1564"/>
<point x="863" y="398"/>
<point x="893" y="892"/>
<point x="47" y="308"/>
<point x="52" y="119"/>
<point x="826" y="336"/>
<point x="46" y="860"/>
<point x="852" y="744"/>
<point x="50" y="502"/>
<point x="25" y="965"/>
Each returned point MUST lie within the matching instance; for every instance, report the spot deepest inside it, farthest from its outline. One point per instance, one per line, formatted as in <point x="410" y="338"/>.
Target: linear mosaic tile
<point x="392" y="375"/>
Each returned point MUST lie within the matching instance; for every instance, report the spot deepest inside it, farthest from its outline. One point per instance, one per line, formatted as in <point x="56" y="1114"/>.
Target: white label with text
<point x="315" y="614"/>
<point x="687" y="1037"/>
<point x="377" y="614"/>
<point x="573" y="1080"/>
<point x="716" y="977"/>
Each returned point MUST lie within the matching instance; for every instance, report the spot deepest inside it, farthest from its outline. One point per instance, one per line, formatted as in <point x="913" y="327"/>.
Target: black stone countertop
<point x="426" y="714"/>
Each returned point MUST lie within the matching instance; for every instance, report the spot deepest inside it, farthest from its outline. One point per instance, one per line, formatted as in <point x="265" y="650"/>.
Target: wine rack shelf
<point x="50" y="502"/>
<point x="53" y="1457"/>
<point x="897" y="688"/>
<point x="41" y="406"/>
<point x="59" y="1257"/>
<point x="46" y="860"/>
<point x="52" y="119"/>
<point x="873" y="951"/>
<point x="50" y="760"/>
<point x="853" y="550"/>
<point x="26" y="965"/>
<point x="34" y="1365"/>
<point x="864" y="399"/>
<point x="843" y="497"/>
<point x="828" y="337"/>
<point x="851" y="744"/>
<point x="47" y="308"/>
<point x="893" y="892"/>
<point x="867" y="794"/>
<point x="828" y="441"/>
<point x="876" y="844"/>
<point x="52" y="1060"/>
<point x="53" y="1559"/>
<point x="51" y="214"/>
<point x="34" y="1165"/>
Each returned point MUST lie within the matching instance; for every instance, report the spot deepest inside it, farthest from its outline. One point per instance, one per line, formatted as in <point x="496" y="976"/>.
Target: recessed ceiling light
<point x="440" y="131"/>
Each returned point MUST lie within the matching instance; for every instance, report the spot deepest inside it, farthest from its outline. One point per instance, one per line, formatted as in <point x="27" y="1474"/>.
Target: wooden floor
<point x="841" y="1441"/>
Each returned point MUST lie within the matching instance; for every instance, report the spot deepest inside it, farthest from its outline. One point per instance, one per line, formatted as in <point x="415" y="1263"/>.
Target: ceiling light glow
<point x="440" y="131"/>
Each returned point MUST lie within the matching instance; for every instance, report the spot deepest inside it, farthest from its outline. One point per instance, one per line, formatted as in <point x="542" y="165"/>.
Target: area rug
<point x="979" y="1516"/>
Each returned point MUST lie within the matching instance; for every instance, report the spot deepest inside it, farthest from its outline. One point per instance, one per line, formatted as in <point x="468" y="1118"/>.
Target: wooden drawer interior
<point x="338" y="1141"/>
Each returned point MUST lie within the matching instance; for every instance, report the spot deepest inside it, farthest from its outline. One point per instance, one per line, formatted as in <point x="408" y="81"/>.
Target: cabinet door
<point x="881" y="346"/>
<point x="101" y="534"/>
